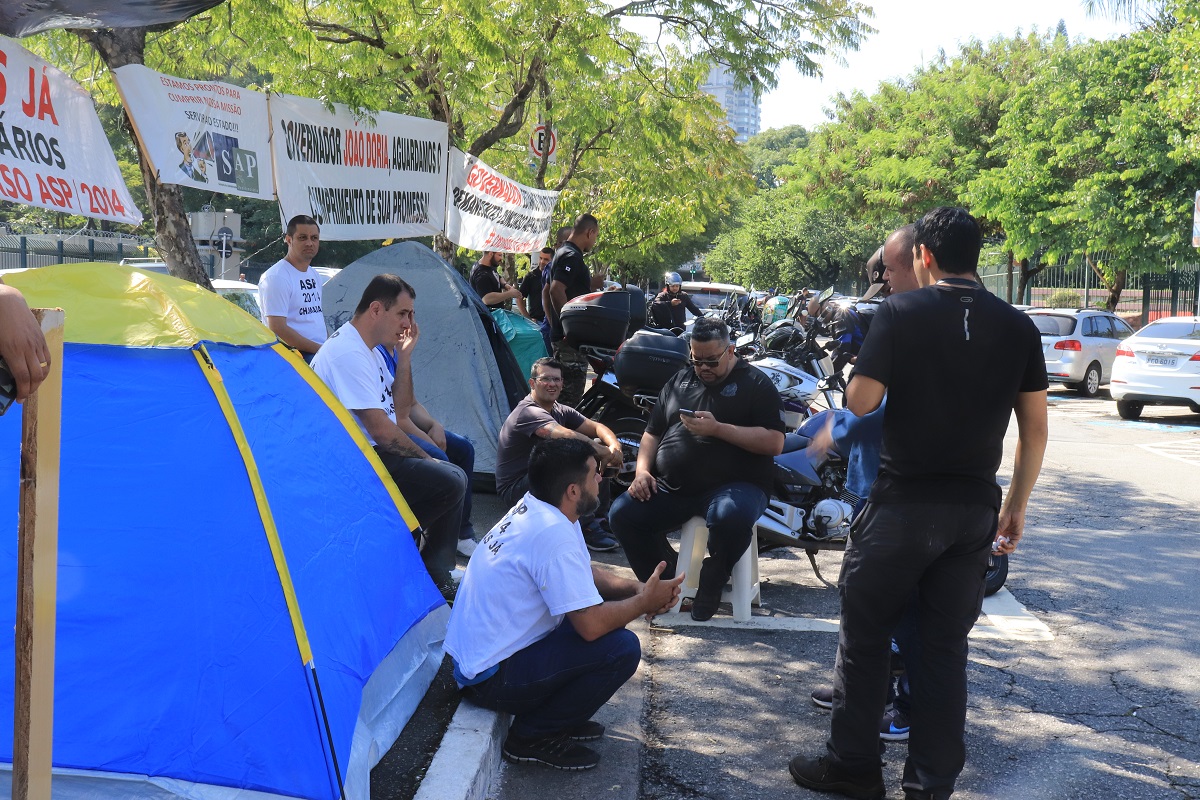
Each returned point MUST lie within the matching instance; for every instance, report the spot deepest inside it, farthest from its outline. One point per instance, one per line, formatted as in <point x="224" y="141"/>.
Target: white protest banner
<point x="53" y="151"/>
<point x="359" y="179"/>
<point x="487" y="211"/>
<point x="202" y="134"/>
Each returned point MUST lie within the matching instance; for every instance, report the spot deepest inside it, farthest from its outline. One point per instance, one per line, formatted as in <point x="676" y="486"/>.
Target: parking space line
<point x="1006" y="618"/>
<point x="1185" y="450"/>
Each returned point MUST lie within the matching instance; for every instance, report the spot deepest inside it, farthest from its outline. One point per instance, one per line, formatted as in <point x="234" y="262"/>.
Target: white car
<point x="241" y="294"/>
<point x="1158" y="366"/>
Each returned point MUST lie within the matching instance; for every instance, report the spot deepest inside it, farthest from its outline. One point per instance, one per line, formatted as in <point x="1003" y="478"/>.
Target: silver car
<point x="1080" y="345"/>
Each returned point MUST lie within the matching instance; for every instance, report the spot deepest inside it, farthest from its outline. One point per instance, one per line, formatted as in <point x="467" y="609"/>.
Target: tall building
<point x="741" y="109"/>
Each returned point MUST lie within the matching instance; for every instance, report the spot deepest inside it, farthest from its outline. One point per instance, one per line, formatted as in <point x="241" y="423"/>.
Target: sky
<point x="910" y="33"/>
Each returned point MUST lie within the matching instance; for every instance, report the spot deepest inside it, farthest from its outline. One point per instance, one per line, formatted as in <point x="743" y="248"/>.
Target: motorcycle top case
<point x="649" y="359"/>
<point x="599" y="319"/>
<point x="637" y="309"/>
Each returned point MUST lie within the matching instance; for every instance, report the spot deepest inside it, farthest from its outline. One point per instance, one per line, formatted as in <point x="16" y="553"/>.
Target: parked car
<point x="1158" y="366"/>
<point x="1080" y="345"/>
<point x="241" y="294"/>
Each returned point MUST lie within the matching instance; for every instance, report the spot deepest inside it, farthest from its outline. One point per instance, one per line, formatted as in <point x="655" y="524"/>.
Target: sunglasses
<point x="706" y="362"/>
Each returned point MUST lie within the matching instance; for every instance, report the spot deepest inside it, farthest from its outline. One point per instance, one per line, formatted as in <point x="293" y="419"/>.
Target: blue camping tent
<point x="235" y="571"/>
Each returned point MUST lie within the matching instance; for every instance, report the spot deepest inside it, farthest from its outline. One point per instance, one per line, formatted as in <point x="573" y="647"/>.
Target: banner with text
<point x="201" y="134"/>
<point x="487" y="211"/>
<point x="53" y="151"/>
<point x="359" y="179"/>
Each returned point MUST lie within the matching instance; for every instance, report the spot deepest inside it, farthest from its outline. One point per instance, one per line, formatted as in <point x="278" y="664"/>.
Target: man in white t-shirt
<point x="537" y="631"/>
<point x="355" y="371"/>
<point x="290" y="292"/>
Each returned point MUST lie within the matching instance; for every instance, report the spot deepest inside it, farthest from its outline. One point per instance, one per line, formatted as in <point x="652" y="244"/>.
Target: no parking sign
<point x="542" y="141"/>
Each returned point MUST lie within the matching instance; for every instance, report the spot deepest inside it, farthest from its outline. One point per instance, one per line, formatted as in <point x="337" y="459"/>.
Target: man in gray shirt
<point x="540" y="416"/>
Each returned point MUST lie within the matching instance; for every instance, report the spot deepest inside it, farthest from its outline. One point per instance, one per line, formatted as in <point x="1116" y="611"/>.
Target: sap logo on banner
<point x="245" y="163"/>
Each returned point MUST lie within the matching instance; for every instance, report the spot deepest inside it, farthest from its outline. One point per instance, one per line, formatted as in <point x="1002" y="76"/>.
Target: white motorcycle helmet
<point x="672" y="279"/>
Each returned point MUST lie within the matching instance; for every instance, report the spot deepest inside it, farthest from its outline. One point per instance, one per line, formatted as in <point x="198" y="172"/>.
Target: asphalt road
<point x="1083" y="675"/>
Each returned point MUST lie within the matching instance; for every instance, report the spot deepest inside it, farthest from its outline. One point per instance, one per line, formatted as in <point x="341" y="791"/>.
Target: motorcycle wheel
<point x="629" y="432"/>
<point x="996" y="575"/>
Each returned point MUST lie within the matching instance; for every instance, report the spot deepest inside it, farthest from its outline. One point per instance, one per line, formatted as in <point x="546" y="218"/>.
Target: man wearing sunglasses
<point x="707" y="451"/>
<point x="541" y="416"/>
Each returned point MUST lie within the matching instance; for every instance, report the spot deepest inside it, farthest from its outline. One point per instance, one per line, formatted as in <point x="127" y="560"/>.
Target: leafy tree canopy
<point x="772" y="149"/>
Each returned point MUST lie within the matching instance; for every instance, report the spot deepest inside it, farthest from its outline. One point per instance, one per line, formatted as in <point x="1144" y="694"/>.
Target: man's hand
<point x="822" y="440"/>
<point x="675" y="301"/>
<point x="643" y="487"/>
<point x="616" y="458"/>
<point x="703" y="424"/>
<point x="659" y="596"/>
<point x="437" y="435"/>
<point x="22" y="343"/>
<point x="407" y="343"/>
<point x="1008" y="531"/>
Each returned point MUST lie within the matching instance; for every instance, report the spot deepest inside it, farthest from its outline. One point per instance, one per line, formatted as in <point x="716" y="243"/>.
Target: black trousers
<point x="434" y="491"/>
<point x="940" y="550"/>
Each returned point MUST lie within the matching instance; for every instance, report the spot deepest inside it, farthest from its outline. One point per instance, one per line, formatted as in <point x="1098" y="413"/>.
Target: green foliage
<point x="1085" y="162"/>
<point x="916" y="144"/>
<point x="772" y="149"/>
<point x="780" y="240"/>
<point x="1064" y="298"/>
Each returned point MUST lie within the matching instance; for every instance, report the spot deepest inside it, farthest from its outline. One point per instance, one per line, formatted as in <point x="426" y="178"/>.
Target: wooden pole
<point x="37" y="573"/>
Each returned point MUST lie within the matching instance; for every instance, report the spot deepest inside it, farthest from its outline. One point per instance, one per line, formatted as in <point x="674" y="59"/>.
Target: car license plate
<point x="1160" y="361"/>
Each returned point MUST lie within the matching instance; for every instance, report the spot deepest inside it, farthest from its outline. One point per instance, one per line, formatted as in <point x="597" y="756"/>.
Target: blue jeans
<point x="560" y="681"/>
<point x="729" y="510"/>
<point x="461" y="453"/>
<point x="544" y="329"/>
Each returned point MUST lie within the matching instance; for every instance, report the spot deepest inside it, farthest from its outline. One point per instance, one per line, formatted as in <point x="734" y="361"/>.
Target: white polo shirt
<point x="284" y="291"/>
<point x="526" y="575"/>
<point x="355" y="373"/>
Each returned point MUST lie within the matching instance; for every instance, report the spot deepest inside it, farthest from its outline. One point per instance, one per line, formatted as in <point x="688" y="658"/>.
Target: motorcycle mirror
<point x="825" y="295"/>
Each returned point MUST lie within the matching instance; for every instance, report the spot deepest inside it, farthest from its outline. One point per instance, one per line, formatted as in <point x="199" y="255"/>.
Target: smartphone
<point x="686" y="412"/>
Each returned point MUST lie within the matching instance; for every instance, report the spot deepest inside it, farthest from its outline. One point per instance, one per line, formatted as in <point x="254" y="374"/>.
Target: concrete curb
<point x="467" y="763"/>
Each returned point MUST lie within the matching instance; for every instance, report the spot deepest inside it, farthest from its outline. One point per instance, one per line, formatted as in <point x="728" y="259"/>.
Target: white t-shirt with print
<point x="284" y="291"/>
<point x="526" y="575"/>
<point x="355" y="373"/>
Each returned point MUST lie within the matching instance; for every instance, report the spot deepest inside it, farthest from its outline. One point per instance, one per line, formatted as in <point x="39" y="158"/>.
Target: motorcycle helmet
<point x="780" y="336"/>
<point x="672" y="279"/>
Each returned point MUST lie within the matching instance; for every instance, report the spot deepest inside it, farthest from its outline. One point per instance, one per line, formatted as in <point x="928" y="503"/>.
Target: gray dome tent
<point x="463" y="370"/>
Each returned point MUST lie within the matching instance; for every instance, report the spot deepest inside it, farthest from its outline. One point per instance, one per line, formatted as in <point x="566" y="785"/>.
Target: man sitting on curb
<point x="512" y="650"/>
<point x="540" y="416"/>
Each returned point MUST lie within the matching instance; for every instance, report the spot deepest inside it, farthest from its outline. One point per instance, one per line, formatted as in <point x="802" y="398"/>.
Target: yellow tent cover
<point x="111" y="304"/>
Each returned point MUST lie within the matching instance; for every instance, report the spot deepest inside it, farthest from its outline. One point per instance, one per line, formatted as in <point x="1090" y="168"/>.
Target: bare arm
<point x="653" y="597"/>
<point x="1032" y="434"/>
<point x="864" y="395"/>
<point x="387" y="434"/>
<point x="522" y="309"/>
<point x="288" y="335"/>
<point x="22" y="343"/>
<point x="558" y="295"/>
<point x="610" y="447"/>
<point x="496" y="298"/>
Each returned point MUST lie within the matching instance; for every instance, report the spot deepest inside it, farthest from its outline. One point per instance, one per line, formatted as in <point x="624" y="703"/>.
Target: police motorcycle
<point x="811" y="509"/>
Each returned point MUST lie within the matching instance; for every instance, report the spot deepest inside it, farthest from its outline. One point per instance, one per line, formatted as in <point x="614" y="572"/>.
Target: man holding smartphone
<point x="707" y="451"/>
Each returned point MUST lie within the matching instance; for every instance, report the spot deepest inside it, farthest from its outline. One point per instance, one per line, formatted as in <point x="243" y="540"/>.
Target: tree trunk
<point x="118" y="47"/>
<point x="1120" y="278"/>
<point x="445" y="248"/>
<point x="1008" y="278"/>
<point x="1027" y="276"/>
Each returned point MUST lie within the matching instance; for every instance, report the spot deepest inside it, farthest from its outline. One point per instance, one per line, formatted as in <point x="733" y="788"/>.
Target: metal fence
<point x="26" y="250"/>
<point x="43" y="248"/>
<point x="1146" y="297"/>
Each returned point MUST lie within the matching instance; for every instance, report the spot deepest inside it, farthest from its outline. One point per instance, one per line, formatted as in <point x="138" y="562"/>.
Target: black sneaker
<point x="557" y="751"/>
<point x="823" y="697"/>
<point x="599" y="540"/>
<point x="820" y="775"/>
<point x="894" y="726"/>
<point x="586" y="731"/>
<point x="708" y="591"/>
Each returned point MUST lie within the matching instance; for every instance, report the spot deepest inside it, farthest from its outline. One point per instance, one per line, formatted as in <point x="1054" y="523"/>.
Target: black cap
<point x="875" y="271"/>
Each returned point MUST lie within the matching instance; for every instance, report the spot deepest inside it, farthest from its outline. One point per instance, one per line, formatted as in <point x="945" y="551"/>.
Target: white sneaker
<point x="466" y="547"/>
<point x="457" y="575"/>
